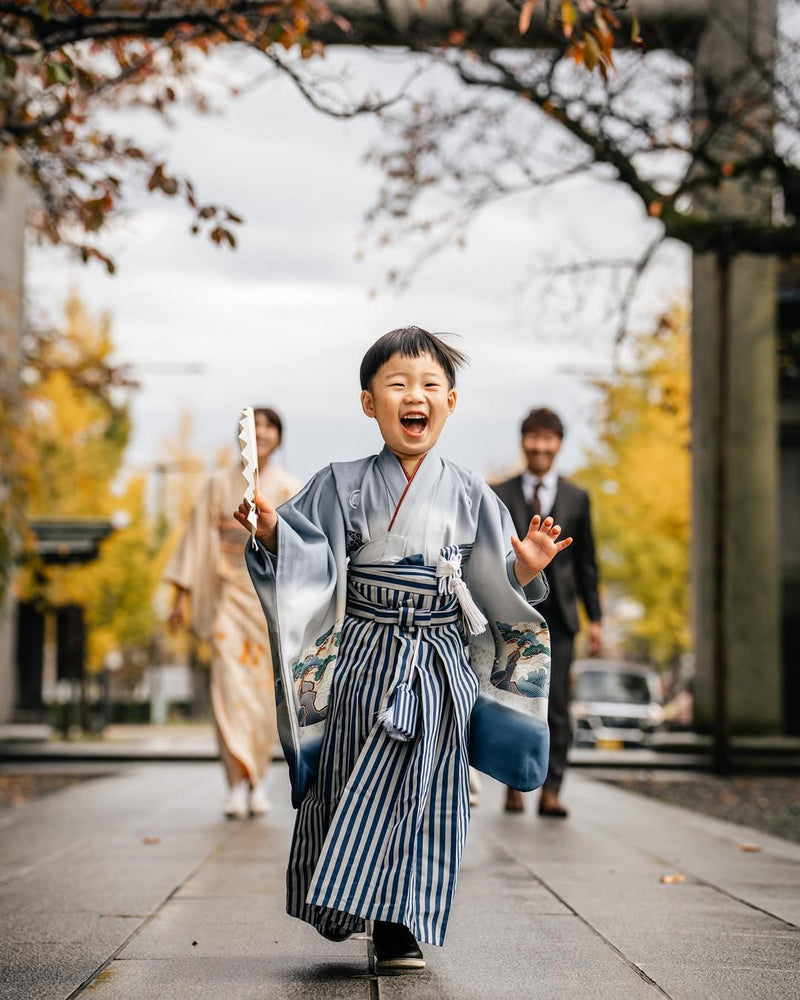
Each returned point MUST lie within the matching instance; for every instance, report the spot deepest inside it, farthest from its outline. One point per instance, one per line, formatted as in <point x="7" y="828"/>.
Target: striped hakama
<point x="381" y="831"/>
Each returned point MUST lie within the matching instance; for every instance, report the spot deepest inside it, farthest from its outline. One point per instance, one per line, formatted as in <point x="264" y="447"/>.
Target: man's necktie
<point x="536" y="503"/>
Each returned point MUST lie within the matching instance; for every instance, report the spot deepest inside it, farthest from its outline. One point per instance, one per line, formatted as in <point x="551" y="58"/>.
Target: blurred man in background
<point x="540" y="490"/>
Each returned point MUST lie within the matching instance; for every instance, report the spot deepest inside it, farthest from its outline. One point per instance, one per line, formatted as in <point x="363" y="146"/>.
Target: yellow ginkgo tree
<point x="639" y="478"/>
<point x="76" y="426"/>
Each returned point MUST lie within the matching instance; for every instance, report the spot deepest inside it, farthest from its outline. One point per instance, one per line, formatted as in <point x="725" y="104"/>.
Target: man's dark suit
<point x="572" y="574"/>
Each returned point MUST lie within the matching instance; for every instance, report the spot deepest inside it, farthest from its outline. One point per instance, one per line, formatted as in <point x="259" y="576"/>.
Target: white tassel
<point x="448" y="571"/>
<point x="476" y="620"/>
<point x="400" y="718"/>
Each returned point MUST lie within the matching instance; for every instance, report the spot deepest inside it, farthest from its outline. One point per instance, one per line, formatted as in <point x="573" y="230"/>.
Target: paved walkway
<point x="130" y="886"/>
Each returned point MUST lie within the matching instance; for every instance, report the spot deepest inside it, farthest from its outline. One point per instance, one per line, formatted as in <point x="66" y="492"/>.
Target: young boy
<point x="372" y="579"/>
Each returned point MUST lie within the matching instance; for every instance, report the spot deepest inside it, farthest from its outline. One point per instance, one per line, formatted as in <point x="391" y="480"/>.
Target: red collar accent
<point x="408" y="484"/>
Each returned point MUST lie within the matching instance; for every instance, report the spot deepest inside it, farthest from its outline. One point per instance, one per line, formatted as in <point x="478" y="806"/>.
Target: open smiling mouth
<point x="414" y="423"/>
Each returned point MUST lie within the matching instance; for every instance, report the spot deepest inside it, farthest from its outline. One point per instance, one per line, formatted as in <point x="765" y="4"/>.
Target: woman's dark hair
<point x="542" y="419"/>
<point x="272" y="417"/>
<point x="411" y="342"/>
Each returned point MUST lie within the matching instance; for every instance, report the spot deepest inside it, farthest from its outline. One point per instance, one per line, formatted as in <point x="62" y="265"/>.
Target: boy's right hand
<point x="267" y="525"/>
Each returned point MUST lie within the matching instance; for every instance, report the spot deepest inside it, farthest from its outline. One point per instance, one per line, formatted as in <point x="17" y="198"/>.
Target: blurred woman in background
<point x="213" y="591"/>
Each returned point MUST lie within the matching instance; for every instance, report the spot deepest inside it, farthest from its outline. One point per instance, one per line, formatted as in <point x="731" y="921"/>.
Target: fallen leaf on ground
<point x="749" y="847"/>
<point x="151" y="840"/>
<point x="673" y="879"/>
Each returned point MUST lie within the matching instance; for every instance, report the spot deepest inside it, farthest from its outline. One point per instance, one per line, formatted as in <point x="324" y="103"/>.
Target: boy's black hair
<point x="411" y="342"/>
<point x="273" y="417"/>
<point x="542" y="419"/>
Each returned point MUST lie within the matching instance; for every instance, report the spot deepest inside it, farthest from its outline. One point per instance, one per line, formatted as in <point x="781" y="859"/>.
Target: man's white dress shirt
<point x="547" y="491"/>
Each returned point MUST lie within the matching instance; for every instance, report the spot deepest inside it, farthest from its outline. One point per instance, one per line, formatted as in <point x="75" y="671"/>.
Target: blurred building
<point x="59" y="542"/>
<point x="13" y="213"/>
<point x="789" y="437"/>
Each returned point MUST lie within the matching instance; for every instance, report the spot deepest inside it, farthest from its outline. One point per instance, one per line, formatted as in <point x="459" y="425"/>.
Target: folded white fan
<point x="247" y="440"/>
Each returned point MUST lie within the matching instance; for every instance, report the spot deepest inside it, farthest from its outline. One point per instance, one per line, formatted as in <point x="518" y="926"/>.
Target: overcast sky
<point x="286" y="318"/>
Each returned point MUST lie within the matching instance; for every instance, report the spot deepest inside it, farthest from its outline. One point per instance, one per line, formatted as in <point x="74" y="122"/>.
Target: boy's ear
<point x="367" y="403"/>
<point x="452" y="399"/>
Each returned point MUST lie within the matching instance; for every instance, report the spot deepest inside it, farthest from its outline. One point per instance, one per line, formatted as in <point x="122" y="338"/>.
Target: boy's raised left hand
<point x="537" y="548"/>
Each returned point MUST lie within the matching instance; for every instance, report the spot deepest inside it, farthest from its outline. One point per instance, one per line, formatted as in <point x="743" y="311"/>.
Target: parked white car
<point x="614" y="702"/>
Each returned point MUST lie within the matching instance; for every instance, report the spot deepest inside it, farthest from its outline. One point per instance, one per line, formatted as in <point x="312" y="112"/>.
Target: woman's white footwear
<point x="475" y="787"/>
<point x="236" y="802"/>
<point x="259" y="803"/>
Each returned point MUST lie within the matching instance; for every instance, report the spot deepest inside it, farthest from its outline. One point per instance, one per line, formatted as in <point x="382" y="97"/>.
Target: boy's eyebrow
<point x="433" y="373"/>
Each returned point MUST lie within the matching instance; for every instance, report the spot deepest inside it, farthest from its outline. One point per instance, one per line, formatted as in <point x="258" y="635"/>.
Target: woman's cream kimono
<point x="209" y="563"/>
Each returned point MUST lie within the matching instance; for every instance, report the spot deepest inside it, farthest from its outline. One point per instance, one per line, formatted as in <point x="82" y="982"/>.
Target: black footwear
<point x="334" y="934"/>
<point x="396" y="948"/>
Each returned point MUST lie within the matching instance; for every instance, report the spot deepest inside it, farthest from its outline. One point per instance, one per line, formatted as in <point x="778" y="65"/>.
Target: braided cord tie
<point x="399" y="719"/>
<point x="448" y="573"/>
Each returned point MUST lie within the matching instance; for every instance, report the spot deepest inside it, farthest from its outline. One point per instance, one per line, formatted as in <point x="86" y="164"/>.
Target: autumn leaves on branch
<point x="63" y="61"/>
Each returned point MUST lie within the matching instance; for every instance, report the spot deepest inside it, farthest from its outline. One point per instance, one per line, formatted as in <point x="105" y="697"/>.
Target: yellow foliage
<point x="77" y="431"/>
<point x="117" y="589"/>
<point x="639" y="478"/>
<point x="77" y="427"/>
<point x="183" y="473"/>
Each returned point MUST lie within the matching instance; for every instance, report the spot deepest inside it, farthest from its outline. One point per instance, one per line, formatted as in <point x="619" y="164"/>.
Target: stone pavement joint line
<point x="98" y="972"/>
<point x="789" y="924"/>
<point x="752" y="836"/>
<point x="631" y="964"/>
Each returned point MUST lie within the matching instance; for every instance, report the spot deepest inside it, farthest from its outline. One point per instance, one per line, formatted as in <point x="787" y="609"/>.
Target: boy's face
<point x="411" y="399"/>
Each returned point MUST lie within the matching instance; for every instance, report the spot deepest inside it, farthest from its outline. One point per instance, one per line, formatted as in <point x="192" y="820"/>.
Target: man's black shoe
<point x="396" y="948"/>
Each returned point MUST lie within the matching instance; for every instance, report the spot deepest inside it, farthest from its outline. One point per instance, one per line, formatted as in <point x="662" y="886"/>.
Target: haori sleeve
<point x="302" y="591"/>
<point x="304" y="564"/>
<point x="302" y="587"/>
<point x="508" y="726"/>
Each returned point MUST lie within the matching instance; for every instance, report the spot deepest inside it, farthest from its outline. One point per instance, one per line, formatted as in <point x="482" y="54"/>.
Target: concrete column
<point x="12" y="237"/>
<point x="741" y="499"/>
<point x="8" y="691"/>
<point x="735" y="393"/>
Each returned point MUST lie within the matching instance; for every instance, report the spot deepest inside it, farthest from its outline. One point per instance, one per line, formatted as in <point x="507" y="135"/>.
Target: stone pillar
<point x="734" y="395"/>
<point x="12" y="235"/>
<point x="739" y="500"/>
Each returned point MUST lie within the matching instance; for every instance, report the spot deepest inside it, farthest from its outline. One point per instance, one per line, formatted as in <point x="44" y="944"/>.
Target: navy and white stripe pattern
<point x="381" y="832"/>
